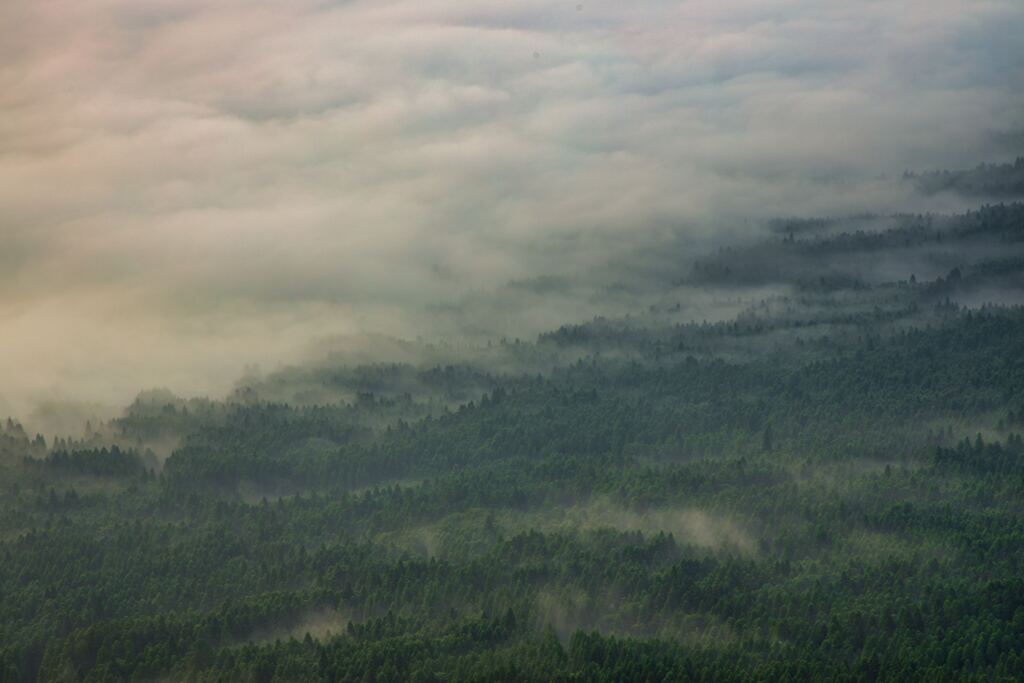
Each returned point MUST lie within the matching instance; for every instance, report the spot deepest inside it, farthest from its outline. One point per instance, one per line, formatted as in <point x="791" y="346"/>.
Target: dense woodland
<point x="989" y="180"/>
<point x="828" y="485"/>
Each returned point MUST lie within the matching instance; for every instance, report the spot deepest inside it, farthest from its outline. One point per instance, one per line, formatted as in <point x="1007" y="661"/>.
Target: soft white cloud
<point x="192" y="185"/>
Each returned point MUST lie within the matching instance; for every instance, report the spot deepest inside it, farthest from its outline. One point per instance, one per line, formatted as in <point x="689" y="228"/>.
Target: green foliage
<point x="827" y="487"/>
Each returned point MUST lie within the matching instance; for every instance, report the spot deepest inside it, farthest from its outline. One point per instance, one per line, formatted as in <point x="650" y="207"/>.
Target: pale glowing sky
<point x="187" y="186"/>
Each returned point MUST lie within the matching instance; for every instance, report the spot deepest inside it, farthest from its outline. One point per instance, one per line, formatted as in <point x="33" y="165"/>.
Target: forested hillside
<point x="827" y="485"/>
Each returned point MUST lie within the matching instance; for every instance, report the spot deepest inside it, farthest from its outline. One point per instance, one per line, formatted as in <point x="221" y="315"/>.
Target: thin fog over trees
<point x="461" y="341"/>
<point x="821" y="483"/>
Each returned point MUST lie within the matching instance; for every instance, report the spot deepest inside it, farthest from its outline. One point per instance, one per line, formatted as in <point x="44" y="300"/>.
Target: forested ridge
<point x="828" y="485"/>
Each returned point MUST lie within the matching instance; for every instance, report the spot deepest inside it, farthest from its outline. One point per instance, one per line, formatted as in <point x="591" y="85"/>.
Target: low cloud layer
<point x="188" y="186"/>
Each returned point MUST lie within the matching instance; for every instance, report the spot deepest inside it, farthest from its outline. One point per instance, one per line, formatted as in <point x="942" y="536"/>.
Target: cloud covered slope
<point x="190" y="186"/>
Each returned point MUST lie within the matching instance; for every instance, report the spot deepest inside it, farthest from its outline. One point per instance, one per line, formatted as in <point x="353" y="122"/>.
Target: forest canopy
<point x="458" y="341"/>
<point x="825" y="485"/>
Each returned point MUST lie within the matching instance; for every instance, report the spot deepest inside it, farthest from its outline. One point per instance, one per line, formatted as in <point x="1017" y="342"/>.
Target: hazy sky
<point x="187" y="186"/>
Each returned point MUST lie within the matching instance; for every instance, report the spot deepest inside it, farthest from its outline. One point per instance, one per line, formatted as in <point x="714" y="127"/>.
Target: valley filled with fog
<point x="464" y="341"/>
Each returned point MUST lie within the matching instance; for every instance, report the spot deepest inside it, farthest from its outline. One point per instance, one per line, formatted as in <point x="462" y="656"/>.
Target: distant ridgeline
<point x="816" y="475"/>
<point x="988" y="180"/>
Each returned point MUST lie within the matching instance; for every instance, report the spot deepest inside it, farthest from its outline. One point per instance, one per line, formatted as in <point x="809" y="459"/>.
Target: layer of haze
<point x="189" y="186"/>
